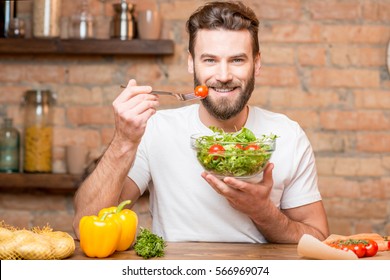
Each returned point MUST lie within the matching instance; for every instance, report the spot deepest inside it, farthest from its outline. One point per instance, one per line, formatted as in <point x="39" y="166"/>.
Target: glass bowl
<point x="242" y="160"/>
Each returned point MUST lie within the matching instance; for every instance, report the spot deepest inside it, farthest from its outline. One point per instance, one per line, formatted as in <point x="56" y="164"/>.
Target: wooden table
<point x="219" y="251"/>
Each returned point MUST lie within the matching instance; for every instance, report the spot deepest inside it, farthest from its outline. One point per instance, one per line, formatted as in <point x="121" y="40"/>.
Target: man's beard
<point x="224" y="108"/>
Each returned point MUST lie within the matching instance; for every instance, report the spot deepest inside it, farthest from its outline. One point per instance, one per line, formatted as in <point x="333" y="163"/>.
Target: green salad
<point x="237" y="154"/>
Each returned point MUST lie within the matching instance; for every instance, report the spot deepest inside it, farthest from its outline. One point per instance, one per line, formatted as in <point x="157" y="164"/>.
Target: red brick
<point x="12" y="94"/>
<point x="373" y="142"/>
<point x="346" y="56"/>
<point x="352" y="188"/>
<point x="372" y="99"/>
<point x="340" y="226"/>
<point x="273" y="54"/>
<point x="68" y="136"/>
<point x="350" y="166"/>
<point x="347" y="34"/>
<point x="357" y="209"/>
<point x="327" y="142"/>
<point x="11" y="73"/>
<point x="354" y="120"/>
<point x="312" y="56"/>
<point x="79" y="95"/>
<point x="290" y="33"/>
<point x="350" y="78"/>
<point x="358" y="167"/>
<point x="298" y="99"/>
<point x="176" y="10"/>
<point x="306" y="118"/>
<point x="91" y="74"/>
<point x="90" y="115"/>
<point x="344" y="10"/>
<point x="278" y="10"/>
<point x="44" y="73"/>
<point x="278" y="76"/>
<point x="376" y="10"/>
<point x="145" y="73"/>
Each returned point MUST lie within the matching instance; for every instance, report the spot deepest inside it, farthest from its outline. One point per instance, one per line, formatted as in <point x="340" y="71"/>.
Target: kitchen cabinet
<point x="86" y="47"/>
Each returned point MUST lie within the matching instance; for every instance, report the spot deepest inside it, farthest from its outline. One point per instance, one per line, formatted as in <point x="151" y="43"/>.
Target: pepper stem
<point x="121" y="205"/>
<point x="102" y="218"/>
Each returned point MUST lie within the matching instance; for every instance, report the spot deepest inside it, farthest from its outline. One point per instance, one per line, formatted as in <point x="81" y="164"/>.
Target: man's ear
<point x="190" y="64"/>
<point x="257" y="63"/>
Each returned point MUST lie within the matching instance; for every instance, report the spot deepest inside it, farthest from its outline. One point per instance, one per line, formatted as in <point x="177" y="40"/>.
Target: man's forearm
<point x="102" y="188"/>
<point x="276" y="227"/>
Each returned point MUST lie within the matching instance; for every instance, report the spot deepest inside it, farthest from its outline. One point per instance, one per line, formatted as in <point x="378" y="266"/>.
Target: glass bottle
<point x="9" y="147"/>
<point x="38" y="131"/>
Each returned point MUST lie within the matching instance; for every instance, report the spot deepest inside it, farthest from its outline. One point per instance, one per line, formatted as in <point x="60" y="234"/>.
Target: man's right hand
<point x="132" y="109"/>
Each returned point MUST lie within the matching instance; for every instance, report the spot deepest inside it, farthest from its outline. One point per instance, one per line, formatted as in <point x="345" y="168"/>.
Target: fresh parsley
<point x="149" y="245"/>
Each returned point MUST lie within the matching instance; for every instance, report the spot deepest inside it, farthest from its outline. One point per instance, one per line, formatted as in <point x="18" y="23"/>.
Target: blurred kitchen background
<point x="324" y="64"/>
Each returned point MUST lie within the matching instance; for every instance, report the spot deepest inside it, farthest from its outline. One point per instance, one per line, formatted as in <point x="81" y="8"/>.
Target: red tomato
<point x="201" y="91"/>
<point x="362" y="248"/>
<point x="359" y="249"/>
<point x="216" y="149"/>
<point x="239" y="146"/>
<point x="252" y="147"/>
<point x="371" y="248"/>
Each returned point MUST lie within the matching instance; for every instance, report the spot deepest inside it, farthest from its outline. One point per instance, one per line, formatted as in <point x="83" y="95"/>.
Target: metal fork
<point x="179" y="96"/>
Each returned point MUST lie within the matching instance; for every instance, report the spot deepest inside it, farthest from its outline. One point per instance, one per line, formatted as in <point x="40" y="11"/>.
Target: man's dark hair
<point x="231" y="15"/>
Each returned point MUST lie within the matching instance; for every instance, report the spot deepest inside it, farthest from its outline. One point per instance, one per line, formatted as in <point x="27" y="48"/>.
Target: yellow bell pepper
<point x="128" y="220"/>
<point x="99" y="236"/>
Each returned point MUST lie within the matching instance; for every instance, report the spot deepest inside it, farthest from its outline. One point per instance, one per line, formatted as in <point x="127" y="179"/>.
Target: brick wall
<point x="324" y="65"/>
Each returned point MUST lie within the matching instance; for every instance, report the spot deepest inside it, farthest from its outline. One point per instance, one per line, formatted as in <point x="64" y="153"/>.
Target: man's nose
<point x="224" y="73"/>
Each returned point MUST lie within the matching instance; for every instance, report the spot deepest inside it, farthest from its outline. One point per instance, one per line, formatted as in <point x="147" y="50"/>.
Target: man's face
<point x="224" y="62"/>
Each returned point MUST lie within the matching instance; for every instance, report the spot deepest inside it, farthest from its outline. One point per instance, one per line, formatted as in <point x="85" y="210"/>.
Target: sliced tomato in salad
<point x="252" y="147"/>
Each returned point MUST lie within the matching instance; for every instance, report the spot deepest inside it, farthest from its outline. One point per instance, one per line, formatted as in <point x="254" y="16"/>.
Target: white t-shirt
<point x="185" y="207"/>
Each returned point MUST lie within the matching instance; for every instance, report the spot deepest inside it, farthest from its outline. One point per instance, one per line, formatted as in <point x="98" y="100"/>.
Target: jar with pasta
<point x="38" y="132"/>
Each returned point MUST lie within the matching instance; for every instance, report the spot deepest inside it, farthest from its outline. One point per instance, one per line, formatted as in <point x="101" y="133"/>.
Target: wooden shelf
<point x="40" y="182"/>
<point x="86" y="47"/>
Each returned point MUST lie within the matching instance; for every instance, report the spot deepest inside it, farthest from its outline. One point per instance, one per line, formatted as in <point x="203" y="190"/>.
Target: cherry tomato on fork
<point x="201" y="91"/>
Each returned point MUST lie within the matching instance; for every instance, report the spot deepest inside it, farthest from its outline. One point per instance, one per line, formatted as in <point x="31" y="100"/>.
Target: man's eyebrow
<point x="233" y="56"/>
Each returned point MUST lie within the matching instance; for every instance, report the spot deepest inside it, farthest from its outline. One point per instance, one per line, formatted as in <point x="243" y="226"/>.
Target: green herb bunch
<point x="149" y="245"/>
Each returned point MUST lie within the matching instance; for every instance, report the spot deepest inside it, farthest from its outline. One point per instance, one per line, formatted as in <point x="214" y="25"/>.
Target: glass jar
<point x="38" y="131"/>
<point x="46" y="18"/>
<point x="9" y="147"/>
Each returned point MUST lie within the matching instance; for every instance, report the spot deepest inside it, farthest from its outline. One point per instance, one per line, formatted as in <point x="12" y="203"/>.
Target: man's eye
<point x="209" y="60"/>
<point x="238" y="60"/>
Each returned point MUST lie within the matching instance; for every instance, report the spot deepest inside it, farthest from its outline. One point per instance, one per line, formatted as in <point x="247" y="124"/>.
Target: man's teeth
<point x="223" y="89"/>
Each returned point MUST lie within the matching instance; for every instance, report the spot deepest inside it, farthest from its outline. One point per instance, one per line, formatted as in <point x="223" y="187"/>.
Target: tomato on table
<point x="361" y="247"/>
<point x="201" y="91"/>
<point x="371" y="248"/>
